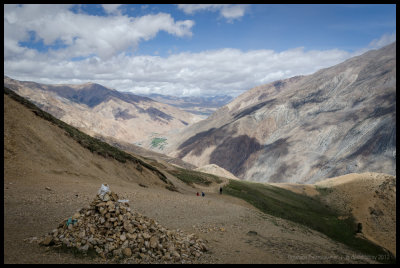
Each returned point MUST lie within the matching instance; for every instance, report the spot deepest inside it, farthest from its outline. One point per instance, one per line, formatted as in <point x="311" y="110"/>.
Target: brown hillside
<point x="369" y="197"/>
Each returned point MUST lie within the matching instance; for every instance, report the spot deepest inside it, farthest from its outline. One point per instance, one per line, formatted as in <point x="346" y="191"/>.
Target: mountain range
<point x="303" y="129"/>
<point x="96" y="109"/>
<point x="201" y="105"/>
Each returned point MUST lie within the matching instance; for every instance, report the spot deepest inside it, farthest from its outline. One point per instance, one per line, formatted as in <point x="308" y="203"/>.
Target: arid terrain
<point x="98" y="110"/>
<point x="303" y="129"/>
<point x="369" y="197"/>
<point x="48" y="176"/>
<point x="216" y="170"/>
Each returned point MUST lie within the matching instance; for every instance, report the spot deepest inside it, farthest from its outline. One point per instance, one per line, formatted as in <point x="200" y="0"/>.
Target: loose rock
<point x="47" y="240"/>
<point x="127" y="252"/>
<point x="112" y="230"/>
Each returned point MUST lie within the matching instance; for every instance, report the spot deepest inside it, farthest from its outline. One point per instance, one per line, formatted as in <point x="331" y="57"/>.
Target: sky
<point x="190" y="49"/>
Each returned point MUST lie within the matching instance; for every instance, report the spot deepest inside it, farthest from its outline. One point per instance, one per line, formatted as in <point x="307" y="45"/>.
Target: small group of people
<point x="203" y="194"/>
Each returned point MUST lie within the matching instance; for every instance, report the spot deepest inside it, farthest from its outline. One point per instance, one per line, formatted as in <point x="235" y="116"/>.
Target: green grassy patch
<point x="323" y="190"/>
<point x="158" y="143"/>
<point x="307" y="211"/>
<point x="191" y="176"/>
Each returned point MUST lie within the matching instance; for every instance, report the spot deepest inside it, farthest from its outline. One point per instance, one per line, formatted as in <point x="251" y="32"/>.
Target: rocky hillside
<point x="96" y="109"/>
<point x="144" y="153"/>
<point x="336" y="121"/>
<point x="371" y="199"/>
<point x="64" y="149"/>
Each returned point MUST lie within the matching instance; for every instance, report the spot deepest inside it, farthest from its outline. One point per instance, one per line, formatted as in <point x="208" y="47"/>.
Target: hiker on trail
<point x="197" y="194"/>
<point x="220" y="190"/>
<point x="202" y="194"/>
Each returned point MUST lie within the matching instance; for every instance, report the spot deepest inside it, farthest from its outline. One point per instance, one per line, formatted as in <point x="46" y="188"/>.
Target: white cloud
<point x="386" y="39"/>
<point x="233" y="11"/>
<point x="192" y="8"/>
<point x="228" y="11"/>
<point x="223" y="71"/>
<point x="112" y="8"/>
<point x="84" y="34"/>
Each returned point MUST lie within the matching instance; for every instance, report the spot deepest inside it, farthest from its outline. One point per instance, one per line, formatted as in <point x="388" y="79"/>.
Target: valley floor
<point x="236" y="232"/>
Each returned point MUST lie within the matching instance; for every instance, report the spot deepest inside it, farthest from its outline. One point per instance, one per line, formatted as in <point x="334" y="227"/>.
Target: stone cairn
<point x="109" y="227"/>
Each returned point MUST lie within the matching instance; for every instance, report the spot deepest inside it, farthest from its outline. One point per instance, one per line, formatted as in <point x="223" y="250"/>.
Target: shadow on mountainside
<point x="232" y="153"/>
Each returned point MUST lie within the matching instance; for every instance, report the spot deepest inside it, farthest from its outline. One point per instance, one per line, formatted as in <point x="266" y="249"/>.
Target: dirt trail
<point x="236" y="232"/>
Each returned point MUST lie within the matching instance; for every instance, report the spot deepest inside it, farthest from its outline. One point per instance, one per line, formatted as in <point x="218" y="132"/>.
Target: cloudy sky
<point x="188" y="49"/>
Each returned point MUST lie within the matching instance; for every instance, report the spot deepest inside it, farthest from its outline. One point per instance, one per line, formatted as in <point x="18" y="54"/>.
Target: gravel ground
<point x="235" y="232"/>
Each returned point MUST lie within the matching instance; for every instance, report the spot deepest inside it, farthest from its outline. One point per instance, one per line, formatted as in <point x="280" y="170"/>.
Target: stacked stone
<point x="110" y="228"/>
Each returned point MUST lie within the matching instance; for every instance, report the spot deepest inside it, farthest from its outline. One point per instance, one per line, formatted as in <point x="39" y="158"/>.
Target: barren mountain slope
<point x="48" y="176"/>
<point x="369" y="197"/>
<point x="216" y="170"/>
<point x="144" y="153"/>
<point x="303" y="129"/>
<point x="96" y="109"/>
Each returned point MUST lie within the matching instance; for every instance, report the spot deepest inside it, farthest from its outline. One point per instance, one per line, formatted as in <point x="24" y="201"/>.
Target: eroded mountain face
<point x="303" y="129"/>
<point x="96" y="109"/>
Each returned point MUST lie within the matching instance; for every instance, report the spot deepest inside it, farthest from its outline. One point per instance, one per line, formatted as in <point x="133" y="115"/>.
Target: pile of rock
<point x="110" y="228"/>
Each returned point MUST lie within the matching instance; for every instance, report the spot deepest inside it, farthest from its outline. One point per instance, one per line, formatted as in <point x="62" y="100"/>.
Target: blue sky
<point x="187" y="49"/>
<point x="282" y="27"/>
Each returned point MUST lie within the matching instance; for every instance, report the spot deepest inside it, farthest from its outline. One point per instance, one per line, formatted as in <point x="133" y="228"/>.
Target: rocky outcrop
<point x="109" y="227"/>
